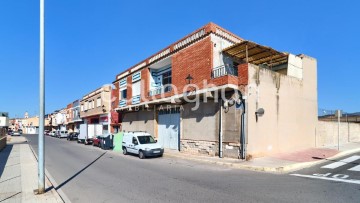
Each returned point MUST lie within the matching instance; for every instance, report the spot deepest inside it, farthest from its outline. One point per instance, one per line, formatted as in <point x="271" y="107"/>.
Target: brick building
<point x="215" y="93"/>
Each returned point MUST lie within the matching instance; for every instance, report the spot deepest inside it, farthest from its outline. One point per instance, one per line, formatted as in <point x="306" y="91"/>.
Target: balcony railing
<point x="160" y="90"/>
<point x="224" y="70"/>
<point x="135" y="99"/>
<point x="122" y="103"/>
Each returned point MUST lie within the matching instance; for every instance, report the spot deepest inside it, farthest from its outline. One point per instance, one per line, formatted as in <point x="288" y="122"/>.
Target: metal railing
<point x="224" y="70"/>
<point x="160" y="90"/>
<point x="122" y="103"/>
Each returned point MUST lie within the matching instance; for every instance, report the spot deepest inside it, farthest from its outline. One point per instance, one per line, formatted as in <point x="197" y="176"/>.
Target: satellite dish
<point x="226" y="103"/>
<point x="231" y="102"/>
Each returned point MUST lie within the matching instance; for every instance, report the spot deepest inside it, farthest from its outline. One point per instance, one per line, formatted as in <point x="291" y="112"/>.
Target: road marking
<point x="341" y="162"/>
<point x="356" y="168"/>
<point x="326" y="178"/>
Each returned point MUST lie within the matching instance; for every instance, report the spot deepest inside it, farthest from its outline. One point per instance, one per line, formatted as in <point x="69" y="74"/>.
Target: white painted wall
<point x="295" y="67"/>
<point x="4" y="121"/>
<point x="218" y="58"/>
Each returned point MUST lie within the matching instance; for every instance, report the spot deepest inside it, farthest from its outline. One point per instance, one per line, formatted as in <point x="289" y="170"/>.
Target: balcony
<point x="224" y="70"/>
<point x="160" y="90"/>
<point x="135" y="99"/>
<point x="122" y="103"/>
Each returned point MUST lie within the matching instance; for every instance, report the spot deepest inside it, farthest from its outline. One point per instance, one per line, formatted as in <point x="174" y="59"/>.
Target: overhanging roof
<point x="256" y="54"/>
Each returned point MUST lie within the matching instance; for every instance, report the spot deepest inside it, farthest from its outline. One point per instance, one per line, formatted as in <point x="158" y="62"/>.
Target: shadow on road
<point x="76" y="174"/>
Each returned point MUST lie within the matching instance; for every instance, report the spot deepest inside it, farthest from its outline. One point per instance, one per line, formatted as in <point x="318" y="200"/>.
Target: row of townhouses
<point x="210" y="93"/>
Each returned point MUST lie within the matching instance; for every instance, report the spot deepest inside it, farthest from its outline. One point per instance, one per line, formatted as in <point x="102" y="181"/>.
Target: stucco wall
<point x="290" y="106"/>
<point x="326" y="133"/>
<point x="138" y="121"/>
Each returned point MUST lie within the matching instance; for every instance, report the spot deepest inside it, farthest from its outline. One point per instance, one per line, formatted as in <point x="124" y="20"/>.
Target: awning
<point x="256" y="54"/>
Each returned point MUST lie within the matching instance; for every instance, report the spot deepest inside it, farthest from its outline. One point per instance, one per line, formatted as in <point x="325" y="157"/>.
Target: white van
<point x="142" y="144"/>
<point x="63" y="134"/>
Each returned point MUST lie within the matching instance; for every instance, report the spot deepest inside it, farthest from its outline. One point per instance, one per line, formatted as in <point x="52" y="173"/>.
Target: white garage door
<point x="169" y="128"/>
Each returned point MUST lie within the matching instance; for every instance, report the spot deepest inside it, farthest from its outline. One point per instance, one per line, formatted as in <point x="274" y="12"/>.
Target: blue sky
<point x="88" y="42"/>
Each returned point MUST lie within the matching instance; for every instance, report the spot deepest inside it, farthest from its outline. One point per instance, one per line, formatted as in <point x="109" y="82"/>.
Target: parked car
<point x="72" y="136"/>
<point x="62" y="134"/>
<point x="142" y="144"/>
<point x="18" y="133"/>
<point x="96" y="141"/>
<point x="52" y="133"/>
<point x="9" y="132"/>
<point x="46" y="132"/>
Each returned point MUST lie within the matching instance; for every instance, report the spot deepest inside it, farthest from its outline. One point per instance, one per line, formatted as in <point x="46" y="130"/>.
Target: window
<point x="166" y="78"/>
<point x="93" y="104"/>
<point x="136" y="76"/>
<point x="86" y="106"/>
<point x="98" y="102"/>
<point x="122" y="83"/>
<point x="136" y="89"/>
<point x="123" y="94"/>
<point x="134" y="141"/>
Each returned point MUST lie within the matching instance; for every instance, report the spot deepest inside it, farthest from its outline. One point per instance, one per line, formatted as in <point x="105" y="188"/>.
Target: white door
<point x="168" y="129"/>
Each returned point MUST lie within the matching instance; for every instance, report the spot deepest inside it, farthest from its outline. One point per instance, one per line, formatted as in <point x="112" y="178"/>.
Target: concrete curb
<point x="61" y="195"/>
<point x="279" y="169"/>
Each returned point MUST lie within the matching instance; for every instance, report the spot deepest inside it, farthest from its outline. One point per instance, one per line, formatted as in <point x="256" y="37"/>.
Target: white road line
<point x="326" y="178"/>
<point x="342" y="162"/>
<point x="356" y="168"/>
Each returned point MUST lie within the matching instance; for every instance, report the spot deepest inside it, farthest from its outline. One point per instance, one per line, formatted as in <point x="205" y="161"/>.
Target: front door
<point x="169" y="128"/>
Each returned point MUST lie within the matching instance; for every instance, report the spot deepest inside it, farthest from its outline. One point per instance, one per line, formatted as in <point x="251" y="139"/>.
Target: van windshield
<point x="147" y="139"/>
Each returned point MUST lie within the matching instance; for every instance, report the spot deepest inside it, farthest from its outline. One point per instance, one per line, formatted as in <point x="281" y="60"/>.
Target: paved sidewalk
<point x="18" y="170"/>
<point x="279" y="163"/>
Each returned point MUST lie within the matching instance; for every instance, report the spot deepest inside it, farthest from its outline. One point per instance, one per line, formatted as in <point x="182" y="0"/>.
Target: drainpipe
<point x="242" y="154"/>
<point x="109" y="114"/>
<point x="220" y="129"/>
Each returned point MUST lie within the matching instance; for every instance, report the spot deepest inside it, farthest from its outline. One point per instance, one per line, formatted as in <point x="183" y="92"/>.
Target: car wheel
<point x="141" y="155"/>
<point x="125" y="151"/>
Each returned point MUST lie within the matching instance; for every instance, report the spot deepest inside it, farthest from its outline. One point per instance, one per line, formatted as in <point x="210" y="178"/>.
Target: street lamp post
<point x="41" y="153"/>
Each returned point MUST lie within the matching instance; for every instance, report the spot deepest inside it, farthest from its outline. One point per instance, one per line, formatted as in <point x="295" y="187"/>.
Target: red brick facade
<point x="243" y="74"/>
<point x="129" y="91"/>
<point x="192" y="55"/>
<point x="195" y="60"/>
<point x="145" y="81"/>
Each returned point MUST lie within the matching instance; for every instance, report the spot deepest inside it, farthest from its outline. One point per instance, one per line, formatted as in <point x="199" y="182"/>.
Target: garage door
<point x="169" y="128"/>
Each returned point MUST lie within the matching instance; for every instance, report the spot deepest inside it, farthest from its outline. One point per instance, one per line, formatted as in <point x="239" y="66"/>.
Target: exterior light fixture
<point x="189" y="78"/>
<point x="259" y="112"/>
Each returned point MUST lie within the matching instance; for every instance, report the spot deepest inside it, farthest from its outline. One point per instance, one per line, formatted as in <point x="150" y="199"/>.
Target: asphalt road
<point x="89" y="174"/>
<point x="345" y="170"/>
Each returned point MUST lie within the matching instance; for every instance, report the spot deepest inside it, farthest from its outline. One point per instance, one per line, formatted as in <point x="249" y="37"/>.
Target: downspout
<point x="109" y="113"/>
<point x="242" y="154"/>
<point x="220" y="129"/>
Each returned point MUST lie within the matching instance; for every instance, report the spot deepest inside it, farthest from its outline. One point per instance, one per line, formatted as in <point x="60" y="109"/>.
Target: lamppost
<point x="41" y="153"/>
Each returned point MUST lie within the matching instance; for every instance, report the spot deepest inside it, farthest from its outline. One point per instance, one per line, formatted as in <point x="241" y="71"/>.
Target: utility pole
<point x="338" y="113"/>
<point x="41" y="153"/>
